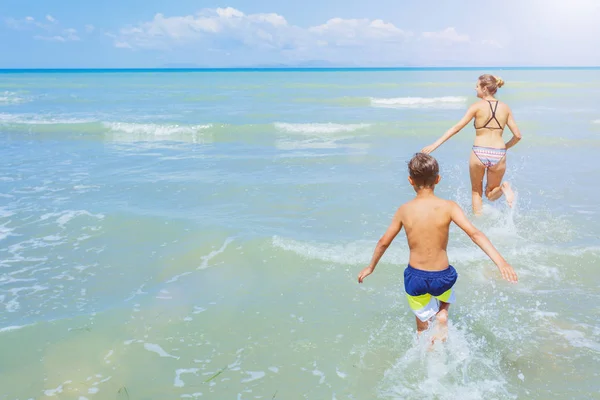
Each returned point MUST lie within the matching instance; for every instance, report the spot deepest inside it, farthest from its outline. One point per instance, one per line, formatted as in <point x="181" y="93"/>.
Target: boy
<point x="429" y="278"/>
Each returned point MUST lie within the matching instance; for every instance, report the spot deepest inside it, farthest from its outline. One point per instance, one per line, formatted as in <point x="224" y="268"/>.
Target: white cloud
<point x="449" y="35"/>
<point x="492" y="43"/>
<point x="71" y="34"/>
<point x="90" y="28"/>
<point x="122" y="45"/>
<point x="358" y="32"/>
<point x="50" y="32"/>
<point x="50" y="38"/>
<point x="66" y="35"/>
<point x="229" y="12"/>
<point x="219" y="25"/>
<point x="229" y="28"/>
<point x="21" y="24"/>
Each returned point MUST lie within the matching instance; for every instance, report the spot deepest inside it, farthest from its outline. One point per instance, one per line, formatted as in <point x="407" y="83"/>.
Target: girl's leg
<point x="495" y="188"/>
<point x="477" y="171"/>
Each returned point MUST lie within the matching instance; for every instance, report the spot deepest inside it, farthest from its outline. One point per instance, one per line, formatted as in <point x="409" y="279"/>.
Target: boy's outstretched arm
<point x="460" y="219"/>
<point x="382" y="245"/>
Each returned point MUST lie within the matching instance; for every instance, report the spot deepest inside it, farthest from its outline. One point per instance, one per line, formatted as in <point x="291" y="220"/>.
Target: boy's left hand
<point x="364" y="273"/>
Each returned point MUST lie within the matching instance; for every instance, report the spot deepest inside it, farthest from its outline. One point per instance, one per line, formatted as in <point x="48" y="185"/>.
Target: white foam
<point x="359" y="252"/>
<point x="191" y="396"/>
<point x="54" y="392"/>
<point x="254" y="375"/>
<point x="596" y="121"/>
<point x="34" y="119"/>
<point x="205" y="259"/>
<point x="176" y="277"/>
<point x="178" y="382"/>
<point x="354" y="253"/>
<point x="106" y="358"/>
<point x="319" y="128"/>
<point x="12" y="306"/>
<point x="4" y="213"/>
<point x="4" y="232"/>
<point x="9" y="98"/>
<point x="12" y="328"/>
<point x="65" y="217"/>
<point x="158" y="350"/>
<point x="443" y="372"/>
<point x="578" y="339"/>
<point x="154" y="129"/>
<point x="318" y="373"/>
<point x="419" y="102"/>
<point x="318" y="143"/>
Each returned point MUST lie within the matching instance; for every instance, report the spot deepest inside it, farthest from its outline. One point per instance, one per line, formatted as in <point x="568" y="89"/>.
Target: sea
<point x="197" y="234"/>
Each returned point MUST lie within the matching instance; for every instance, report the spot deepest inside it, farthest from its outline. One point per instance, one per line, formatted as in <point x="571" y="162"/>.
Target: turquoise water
<point x="198" y="235"/>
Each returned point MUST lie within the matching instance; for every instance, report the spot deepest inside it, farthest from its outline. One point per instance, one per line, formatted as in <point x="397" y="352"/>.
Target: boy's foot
<point x="441" y="328"/>
<point x="508" y="193"/>
<point x="441" y="334"/>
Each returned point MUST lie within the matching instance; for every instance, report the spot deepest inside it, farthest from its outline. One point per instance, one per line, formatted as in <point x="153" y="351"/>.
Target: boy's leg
<point x="442" y="320"/>
<point x="442" y="315"/>
<point x="421" y="325"/>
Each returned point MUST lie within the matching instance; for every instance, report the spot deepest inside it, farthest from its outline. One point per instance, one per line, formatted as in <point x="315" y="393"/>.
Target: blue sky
<point x="152" y="33"/>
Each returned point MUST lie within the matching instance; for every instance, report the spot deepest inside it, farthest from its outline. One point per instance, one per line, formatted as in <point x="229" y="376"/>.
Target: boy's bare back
<point x="426" y="221"/>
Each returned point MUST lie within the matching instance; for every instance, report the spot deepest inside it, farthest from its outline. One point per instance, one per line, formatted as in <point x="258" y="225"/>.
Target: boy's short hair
<point x="423" y="169"/>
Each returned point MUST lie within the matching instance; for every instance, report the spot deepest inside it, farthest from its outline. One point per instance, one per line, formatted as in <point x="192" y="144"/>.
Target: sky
<point x="263" y="33"/>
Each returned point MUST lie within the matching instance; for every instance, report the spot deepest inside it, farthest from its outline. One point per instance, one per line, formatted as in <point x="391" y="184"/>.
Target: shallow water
<point x="206" y="229"/>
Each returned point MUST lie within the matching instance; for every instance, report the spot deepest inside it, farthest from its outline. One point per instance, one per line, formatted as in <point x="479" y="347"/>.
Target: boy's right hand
<point x="508" y="273"/>
<point x="364" y="273"/>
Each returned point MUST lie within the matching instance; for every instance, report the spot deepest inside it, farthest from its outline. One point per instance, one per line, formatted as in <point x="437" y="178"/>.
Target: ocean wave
<point x="359" y="252"/>
<point x="154" y="129"/>
<point x="10" y="98"/>
<point x="65" y="217"/>
<point x="5" y="232"/>
<point x="26" y="119"/>
<point x="115" y="126"/>
<point x="92" y="127"/>
<point x="319" y="128"/>
<point x="319" y="144"/>
<point x="419" y="102"/>
<point x="12" y="328"/>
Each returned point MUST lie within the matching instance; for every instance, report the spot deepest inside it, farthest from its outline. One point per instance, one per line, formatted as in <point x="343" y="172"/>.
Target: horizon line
<point x="289" y="68"/>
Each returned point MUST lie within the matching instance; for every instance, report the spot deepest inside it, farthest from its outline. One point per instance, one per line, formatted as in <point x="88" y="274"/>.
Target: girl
<point x="489" y="150"/>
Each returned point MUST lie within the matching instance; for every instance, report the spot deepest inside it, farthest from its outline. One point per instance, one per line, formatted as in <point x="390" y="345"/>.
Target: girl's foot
<point x="508" y="193"/>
